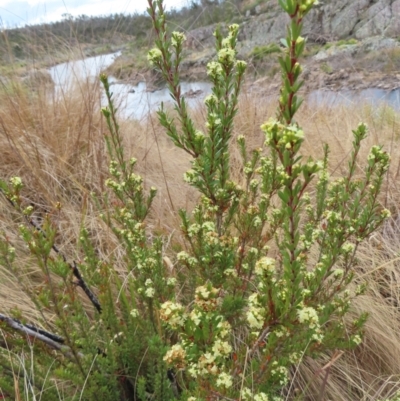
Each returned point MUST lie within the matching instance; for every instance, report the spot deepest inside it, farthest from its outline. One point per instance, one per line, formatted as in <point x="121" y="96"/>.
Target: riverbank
<point x="349" y="65"/>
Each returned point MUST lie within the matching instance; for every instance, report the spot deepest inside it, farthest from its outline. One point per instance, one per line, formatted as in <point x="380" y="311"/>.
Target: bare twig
<point x="52" y="340"/>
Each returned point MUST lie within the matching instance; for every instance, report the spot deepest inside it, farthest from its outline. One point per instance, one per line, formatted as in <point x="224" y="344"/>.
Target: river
<point x="136" y="101"/>
<point x="133" y="101"/>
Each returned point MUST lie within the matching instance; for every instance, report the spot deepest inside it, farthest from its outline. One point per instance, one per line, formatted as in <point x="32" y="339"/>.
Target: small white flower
<point x="195" y="317"/>
<point x="193" y="371"/>
<point x="214" y="69"/>
<point x="171" y="281"/>
<point x="308" y="315"/>
<point x="224" y="380"/>
<point x="134" y="313"/>
<point x="177" y="38"/>
<point x="337" y="273"/>
<point x="226" y="55"/>
<point x="348" y="247"/>
<point x="265" y="265"/>
<point x="318" y="337"/>
<point x="230" y="272"/>
<point x="182" y="256"/>
<point x="246" y="394"/>
<point x="261" y="397"/>
<point x="176" y="356"/>
<point x="257" y="221"/>
<point x="225" y="329"/>
<point x="221" y="348"/>
<point x="173" y="314"/>
<point x="16" y="182"/>
<point x="356" y="339"/>
<point x="154" y="56"/>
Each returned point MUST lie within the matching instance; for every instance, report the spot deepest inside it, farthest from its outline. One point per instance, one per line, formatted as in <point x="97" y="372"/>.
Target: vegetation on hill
<point x="94" y="35"/>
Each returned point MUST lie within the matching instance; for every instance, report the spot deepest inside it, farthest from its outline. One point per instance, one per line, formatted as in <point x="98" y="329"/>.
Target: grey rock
<point x="200" y="37"/>
<point x="193" y="93"/>
<point x="331" y="20"/>
<point x="348" y="50"/>
<point x="377" y="43"/>
<point x="375" y="20"/>
<point x="393" y="30"/>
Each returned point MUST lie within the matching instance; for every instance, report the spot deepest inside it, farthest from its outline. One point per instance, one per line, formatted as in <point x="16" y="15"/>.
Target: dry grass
<point x="57" y="147"/>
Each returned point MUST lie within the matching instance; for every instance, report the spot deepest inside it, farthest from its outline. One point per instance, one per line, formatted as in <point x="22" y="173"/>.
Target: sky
<point x="21" y="12"/>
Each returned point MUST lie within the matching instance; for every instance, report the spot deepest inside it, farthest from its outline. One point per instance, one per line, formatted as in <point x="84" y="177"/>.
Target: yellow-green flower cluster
<point x="248" y="395"/>
<point x="149" y="291"/>
<point x="224" y="329"/>
<point x="224" y="380"/>
<point x="154" y="56"/>
<point x="265" y="265"/>
<point x="377" y="155"/>
<point x="176" y="356"/>
<point x="210" y="361"/>
<point x="206" y="298"/>
<point x="16" y="182"/>
<point x="255" y="313"/>
<point x="173" y="314"/>
<point x="308" y="315"/>
<point x="214" y="69"/>
<point x="282" y="135"/>
<point x="177" y="38"/>
<point x="280" y="373"/>
<point x="306" y="5"/>
<point x="221" y="348"/>
<point x="226" y="56"/>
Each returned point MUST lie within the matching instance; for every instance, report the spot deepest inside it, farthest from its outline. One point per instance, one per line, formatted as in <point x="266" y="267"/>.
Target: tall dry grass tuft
<point x="56" y="145"/>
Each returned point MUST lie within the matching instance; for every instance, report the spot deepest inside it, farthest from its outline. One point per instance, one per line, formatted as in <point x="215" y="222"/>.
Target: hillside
<point x="351" y="44"/>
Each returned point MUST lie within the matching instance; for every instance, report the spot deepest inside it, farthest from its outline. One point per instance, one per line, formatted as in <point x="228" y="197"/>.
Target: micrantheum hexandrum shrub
<point x="264" y="279"/>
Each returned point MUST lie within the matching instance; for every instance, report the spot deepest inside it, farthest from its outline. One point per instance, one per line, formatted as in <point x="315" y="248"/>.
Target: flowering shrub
<point x="264" y="280"/>
<point x="272" y="255"/>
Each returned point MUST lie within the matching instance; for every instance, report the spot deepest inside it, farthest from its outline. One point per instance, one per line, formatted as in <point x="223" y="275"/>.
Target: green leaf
<point x="284" y="42"/>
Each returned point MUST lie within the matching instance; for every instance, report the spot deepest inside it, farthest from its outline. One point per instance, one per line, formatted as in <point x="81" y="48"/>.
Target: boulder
<point x="200" y="37"/>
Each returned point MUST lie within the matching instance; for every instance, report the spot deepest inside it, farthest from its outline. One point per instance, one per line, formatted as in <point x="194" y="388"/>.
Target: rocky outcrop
<point x="371" y="44"/>
<point x="375" y="24"/>
<point x="200" y="37"/>
<point x="330" y="20"/>
<point x="357" y="18"/>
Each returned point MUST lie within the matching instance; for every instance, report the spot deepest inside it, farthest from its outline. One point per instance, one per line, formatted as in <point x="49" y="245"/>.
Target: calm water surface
<point x="66" y="74"/>
<point x="136" y="101"/>
<point x="372" y="96"/>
